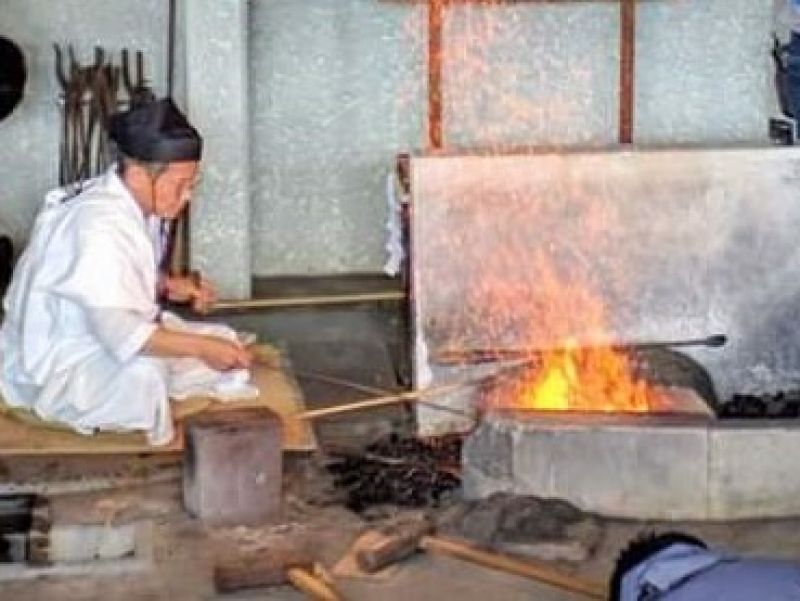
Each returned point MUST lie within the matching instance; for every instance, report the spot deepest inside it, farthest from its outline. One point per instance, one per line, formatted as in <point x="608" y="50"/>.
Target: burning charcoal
<point x="779" y="405"/>
<point x="792" y="409"/>
<point x="744" y="406"/>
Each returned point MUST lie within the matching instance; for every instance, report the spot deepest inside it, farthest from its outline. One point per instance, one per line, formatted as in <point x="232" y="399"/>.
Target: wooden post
<point x="627" y="53"/>
<point x="435" y="25"/>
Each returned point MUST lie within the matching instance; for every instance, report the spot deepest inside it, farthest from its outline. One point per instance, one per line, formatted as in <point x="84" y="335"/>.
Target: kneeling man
<point x="84" y="342"/>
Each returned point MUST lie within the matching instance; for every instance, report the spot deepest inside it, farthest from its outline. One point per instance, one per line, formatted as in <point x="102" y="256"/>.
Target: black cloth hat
<point x="155" y="132"/>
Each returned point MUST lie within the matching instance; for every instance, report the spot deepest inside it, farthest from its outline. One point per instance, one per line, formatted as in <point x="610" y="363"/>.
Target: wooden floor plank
<point x="21" y="433"/>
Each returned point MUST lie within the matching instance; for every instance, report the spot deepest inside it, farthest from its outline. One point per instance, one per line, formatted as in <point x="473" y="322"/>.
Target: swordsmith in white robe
<point x="80" y="307"/>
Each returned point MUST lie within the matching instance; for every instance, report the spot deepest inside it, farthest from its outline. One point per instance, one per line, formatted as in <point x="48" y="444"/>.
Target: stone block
<point x="233" y="467"/>
<point x="753" y="470"/>
<point x="625" y="466"/>
<point x="489" y="449"/>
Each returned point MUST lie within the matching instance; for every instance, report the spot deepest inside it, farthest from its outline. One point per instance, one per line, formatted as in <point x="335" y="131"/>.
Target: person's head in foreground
<point x="639" y="552"/>
<point x="675" y="566"/>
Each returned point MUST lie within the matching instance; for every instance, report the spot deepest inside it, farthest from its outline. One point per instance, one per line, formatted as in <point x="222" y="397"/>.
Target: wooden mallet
<point x="273" y="568"/>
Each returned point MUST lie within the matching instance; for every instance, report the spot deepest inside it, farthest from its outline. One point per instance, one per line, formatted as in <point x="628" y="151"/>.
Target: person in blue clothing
<point x="678" y="567"/>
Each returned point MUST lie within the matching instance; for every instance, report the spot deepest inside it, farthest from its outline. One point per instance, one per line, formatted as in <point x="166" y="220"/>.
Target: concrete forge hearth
<point x="645" y="466"/>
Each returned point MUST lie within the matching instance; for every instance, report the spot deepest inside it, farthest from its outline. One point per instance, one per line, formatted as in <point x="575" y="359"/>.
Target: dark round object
<point x="668" y="367"/>
<point x="12" y="76"/>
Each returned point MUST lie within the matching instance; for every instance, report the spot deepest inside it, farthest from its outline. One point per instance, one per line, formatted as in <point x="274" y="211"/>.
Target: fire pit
<point x="639" y="466"/>
<point x="564" y="263"/>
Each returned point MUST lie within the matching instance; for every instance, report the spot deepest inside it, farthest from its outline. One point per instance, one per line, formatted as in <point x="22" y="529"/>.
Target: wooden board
<point x="22" y="433"/>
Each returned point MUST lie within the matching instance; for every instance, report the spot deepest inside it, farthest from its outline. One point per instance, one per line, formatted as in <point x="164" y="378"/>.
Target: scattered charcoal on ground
<point x="407" y="472"/>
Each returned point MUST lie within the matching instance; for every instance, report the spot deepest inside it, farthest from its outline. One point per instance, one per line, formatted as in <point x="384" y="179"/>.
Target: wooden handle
<point x="311" y="586"/>
<point x="529" y="569"/>
<point x="381" y="401"/>
<point x="308" y="301"/>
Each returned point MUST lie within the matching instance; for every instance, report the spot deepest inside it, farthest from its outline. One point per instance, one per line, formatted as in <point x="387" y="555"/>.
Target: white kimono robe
<point x="81" y="304"/>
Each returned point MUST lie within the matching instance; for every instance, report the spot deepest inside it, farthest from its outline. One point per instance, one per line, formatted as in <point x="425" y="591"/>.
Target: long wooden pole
<point x="627" y="56"/>
<point x="307" y="301"/>
<point x="527" y="568"/>
<point x="392" y="399"/>
<point x="435" y="49"/>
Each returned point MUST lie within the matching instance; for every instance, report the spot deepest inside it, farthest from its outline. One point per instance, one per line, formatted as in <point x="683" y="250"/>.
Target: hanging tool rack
<point x="89" y="95"/>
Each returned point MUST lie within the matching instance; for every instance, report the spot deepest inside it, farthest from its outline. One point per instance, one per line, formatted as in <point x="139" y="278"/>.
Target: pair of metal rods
<point x="385" y="397"/>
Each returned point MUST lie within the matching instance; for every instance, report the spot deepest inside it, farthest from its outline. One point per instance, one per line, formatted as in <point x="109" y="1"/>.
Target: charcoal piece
<point x="401" y="471"/>
<point x="783" y="404"/>
<point x="776" y="408"/>
<point x="742" y="405"/>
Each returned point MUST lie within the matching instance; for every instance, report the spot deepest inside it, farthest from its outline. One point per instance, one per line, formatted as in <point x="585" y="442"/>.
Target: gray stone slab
<point x="666" y="467"/>
<point x="233" y="466"/>
<point x="753" y="470"/>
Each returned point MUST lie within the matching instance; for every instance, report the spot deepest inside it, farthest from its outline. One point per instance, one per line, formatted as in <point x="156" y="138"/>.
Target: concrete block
<point x="475" y="484"/>
<point x="753" y="470"/>
<point x="233" y="467"/>
<point x="617" y="469"/>
<point x="625" y="466"/>
<point x="89" y="550"/>
<point x="490" y="450"/>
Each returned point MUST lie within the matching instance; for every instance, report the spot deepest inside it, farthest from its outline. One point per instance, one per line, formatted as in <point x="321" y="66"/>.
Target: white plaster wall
<point x="29" y="137"/>
<point x="217" y="103"/>
<point x="531" y="74"/>
<point x="704" y="72"/>
<point x="337" y="88"/>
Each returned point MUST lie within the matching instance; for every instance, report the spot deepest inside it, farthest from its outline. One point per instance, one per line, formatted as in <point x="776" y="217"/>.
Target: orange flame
<point x="588" y="379"/>
<point x="536" y="285"/>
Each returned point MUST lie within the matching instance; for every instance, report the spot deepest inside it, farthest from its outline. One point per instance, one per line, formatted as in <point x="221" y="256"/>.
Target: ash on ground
<point x="548" y="529"/>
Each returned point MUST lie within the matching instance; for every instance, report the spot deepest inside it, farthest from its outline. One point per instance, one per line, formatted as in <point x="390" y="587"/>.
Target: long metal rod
<point x="489" y="355"/>
<point x="268" y="363"/>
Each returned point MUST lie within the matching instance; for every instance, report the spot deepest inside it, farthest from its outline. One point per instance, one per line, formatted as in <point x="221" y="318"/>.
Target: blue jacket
<point x="688" y="573"/>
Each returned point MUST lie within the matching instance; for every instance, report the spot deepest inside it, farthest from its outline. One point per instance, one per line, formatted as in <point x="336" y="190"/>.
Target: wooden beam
<point x="627" y="55"/>
<point x="308" y="301"/>
<point x="435" y="46"/>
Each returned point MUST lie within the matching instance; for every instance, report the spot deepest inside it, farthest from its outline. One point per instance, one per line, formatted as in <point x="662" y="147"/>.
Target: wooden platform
<point x="22" y="433"/>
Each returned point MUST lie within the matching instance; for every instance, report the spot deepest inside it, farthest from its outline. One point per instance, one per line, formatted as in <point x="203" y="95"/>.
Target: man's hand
<point x="216" y="352"/>
<point x="222" y="354"/>
<point x="193" y="289"/>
